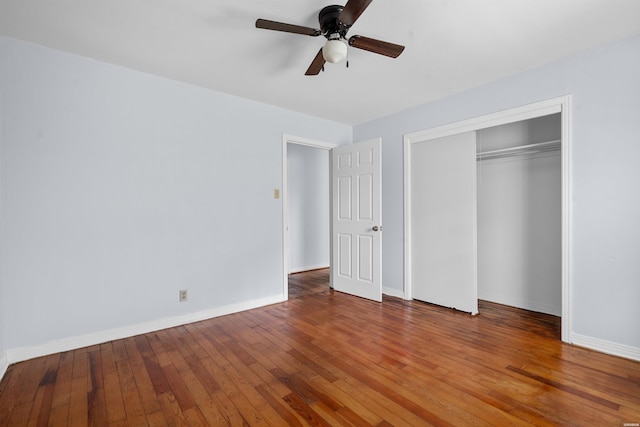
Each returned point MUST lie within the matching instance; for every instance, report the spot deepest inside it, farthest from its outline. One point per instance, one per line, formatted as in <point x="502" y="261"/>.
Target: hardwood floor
<point x="325" y="358"/>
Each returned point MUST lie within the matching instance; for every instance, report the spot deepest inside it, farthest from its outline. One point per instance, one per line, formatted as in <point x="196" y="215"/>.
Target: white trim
<point x="608" y="347"/>
<point x="551" y="106"/>
<point x="292" y="139"/>
<point x="308" y="142"/>
<point x="526" y="112"/>
<point x="71" y="343"/>
<point x="567" y="232"/>
<point x="393" y="292"/>
<point x="407" y="219"/>
<point x="475" y="235"/>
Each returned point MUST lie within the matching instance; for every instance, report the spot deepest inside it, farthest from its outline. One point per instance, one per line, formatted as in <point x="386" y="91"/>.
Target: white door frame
<point x="551" y="106"/>
<point x="291" y="139"/>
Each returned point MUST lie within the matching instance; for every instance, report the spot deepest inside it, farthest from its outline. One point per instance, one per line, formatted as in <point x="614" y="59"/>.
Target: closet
<point x="486" y="217"/>
<point x="519" y="214"/>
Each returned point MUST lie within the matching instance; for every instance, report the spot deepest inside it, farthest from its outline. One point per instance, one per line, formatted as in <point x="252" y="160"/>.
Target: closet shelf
<point x="521" y="150"/>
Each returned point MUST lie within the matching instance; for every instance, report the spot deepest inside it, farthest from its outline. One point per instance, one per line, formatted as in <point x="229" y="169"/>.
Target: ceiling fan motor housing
<point x="329" y="22"/>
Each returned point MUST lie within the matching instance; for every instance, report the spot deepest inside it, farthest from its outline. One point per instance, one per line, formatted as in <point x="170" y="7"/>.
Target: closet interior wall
<point x="519" y="216"/>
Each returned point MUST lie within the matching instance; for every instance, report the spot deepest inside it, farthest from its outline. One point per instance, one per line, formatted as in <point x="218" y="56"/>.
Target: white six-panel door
<point x="356" y="219"/>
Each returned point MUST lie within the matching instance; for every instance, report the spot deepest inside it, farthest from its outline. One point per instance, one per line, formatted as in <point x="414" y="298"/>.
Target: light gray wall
<point x="605" y="175"/>
<point x="2" y="346"/>
<point x="308" y="186"/>
<point x="519" y="218"/>
<point x="120" y="188"/>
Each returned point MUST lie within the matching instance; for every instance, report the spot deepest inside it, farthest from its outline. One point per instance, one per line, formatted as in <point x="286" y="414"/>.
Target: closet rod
<point x="538" y="147"/>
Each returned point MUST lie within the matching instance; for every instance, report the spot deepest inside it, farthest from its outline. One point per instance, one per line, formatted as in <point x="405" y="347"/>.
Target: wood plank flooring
<point x="324" y="358"/>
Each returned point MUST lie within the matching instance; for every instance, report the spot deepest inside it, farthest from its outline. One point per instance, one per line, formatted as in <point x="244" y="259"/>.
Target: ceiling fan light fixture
<point x="335" y="21"/>
<point x="334" y="50"/>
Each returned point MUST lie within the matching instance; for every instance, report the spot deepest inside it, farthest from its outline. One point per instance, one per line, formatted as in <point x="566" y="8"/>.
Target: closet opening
<point x="519" y="214"/>
<point x="487" y="212"/>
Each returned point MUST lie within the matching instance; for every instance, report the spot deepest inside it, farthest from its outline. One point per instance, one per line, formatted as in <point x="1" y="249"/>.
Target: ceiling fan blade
<point x="376" y="46"/>
<point x="352" y="11"/>
<point x="316" y="65"/>
<point x="287" y="28"/>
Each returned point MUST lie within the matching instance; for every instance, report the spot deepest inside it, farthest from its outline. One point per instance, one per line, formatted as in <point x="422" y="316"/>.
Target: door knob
<point x="376" y="228"/>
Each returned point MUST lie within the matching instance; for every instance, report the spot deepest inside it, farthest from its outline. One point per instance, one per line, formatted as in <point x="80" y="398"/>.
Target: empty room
<point x="299" y="213"/>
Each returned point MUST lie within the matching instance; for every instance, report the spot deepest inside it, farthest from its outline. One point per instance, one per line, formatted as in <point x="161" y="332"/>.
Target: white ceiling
<point x="451" y="45"/>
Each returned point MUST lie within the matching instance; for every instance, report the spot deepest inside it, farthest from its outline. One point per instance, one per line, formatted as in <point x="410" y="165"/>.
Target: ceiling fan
<point x="335" y="21"/>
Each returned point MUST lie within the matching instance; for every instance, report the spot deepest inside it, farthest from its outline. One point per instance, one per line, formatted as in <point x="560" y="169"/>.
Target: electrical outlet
<point x="183" y="295"/>
<point x="276" y="193"/>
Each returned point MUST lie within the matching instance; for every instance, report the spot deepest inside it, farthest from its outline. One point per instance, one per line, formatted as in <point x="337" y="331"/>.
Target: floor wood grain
<point x="324" y="358"/>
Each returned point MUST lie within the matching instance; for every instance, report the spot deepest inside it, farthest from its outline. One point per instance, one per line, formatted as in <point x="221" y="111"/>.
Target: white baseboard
<point x="66" y="344"/>
<point x="607" y="347"/>
<point x="71" y="343"/>
<point x="393" y="292"/>
<point x="4" y="364"/>
<point x="308" y="268"/>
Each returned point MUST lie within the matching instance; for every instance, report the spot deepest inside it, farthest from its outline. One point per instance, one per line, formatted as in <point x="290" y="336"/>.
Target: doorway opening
<point x="557" y="106"/>
<point x="306" y="201"/>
